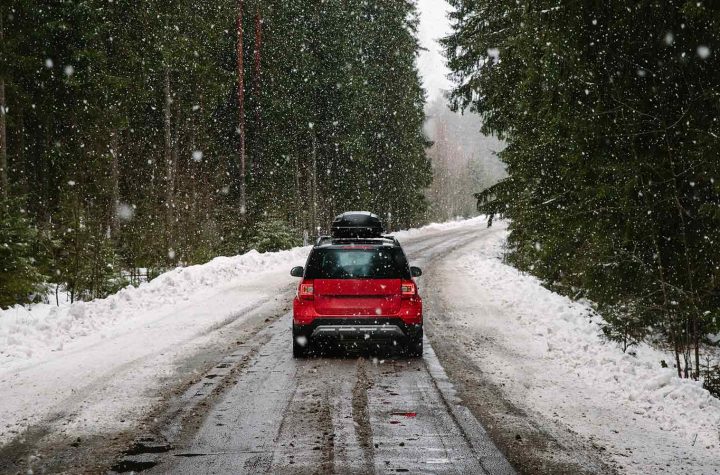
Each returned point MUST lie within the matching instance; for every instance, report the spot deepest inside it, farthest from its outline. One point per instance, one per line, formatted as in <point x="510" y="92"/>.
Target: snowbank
<point x="34" y="331"/>
<point x="439" y="227"/>
<point x="38" y="329"/>
<point x="641" y="413"/>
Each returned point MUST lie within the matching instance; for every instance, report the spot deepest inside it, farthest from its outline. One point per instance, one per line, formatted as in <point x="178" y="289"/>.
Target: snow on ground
<point x="547" y="352"/>
<point x="30" y="333"/>
<point x="99" y="366"/>
<point x="433" y="228"/>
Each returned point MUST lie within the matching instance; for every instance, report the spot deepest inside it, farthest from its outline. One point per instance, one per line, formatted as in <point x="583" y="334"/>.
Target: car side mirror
<point x="297" y="271"/>
<point x="415" y="271"/>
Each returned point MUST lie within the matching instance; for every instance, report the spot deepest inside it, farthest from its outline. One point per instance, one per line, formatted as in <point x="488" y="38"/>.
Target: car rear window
<point x="357" y="263"/>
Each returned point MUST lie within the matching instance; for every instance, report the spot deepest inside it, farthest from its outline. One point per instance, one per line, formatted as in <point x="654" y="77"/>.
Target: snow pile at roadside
<point x="438" y="227"/>
<point x="559" y="365"/>
<point x="28" y="331"/>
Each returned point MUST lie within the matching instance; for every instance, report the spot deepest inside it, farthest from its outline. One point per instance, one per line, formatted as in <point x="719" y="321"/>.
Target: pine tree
<point x="273" y="234"/>
<point x="607" y="113"/>
<point x="123" y="125"/>
<point x="20" y="278"/>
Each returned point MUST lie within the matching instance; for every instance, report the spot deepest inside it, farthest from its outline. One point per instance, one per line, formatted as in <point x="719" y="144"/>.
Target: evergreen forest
<point x="139" y="136"/>
<point x="611" y="114"/>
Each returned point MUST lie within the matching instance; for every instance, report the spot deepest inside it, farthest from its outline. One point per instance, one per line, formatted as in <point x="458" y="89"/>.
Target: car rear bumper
<point x="410" y="313"/>
<point x="358" y="329"/>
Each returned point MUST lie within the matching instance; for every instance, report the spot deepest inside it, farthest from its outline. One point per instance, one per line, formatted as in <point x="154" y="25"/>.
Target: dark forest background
<point x="611" y="115"/>
<point x="138" y="136"/>
<point x="135" y="138"/>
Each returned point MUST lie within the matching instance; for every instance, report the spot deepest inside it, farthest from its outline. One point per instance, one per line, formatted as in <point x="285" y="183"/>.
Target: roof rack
<point x="356" y="224"/>
<point x="330" y="240"/>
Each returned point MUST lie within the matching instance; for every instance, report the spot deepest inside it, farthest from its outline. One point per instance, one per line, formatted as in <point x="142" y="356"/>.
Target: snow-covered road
<point x="545" y="354"/>
<point x="98" y="367"/>
<point x="554" y="396"/>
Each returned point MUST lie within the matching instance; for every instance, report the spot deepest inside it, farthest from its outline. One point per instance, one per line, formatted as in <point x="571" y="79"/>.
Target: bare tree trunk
<point x="241" y="106"/>
<point x="175" y="155"/>
<point x="3" y="137"/>
<point x="19" y="156"/>
<point x="299" y="223"/>
<point x="666" y="304"/>
<point x="169" y="159"/>
<point x="688" y="266"/>
<point x="115" y="172"/>
<point x="257" y="51"/>
<point x="673" y="332"/>
<point x="257" y="56"/>
<point x="314" y="191"/>
<point x="3" y="129"/>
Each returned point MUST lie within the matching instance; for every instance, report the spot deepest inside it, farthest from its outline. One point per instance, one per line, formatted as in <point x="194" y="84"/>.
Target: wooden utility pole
<point x="241" y="105"/>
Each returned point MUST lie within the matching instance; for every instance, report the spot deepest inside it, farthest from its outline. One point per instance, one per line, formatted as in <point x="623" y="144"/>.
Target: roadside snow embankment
<point x="98" y="367"/>
<point x="548" y="352"/>
<point x="31" y="332"/>
<point x="434" y="228"/>
<point x="28" y="332"/>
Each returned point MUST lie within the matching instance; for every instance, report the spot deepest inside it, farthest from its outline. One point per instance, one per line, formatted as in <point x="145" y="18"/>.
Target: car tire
<point x="415" y="348"/>
<point x="299" y="351"/>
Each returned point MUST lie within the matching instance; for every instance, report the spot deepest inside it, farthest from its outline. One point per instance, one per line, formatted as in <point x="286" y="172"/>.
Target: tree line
<point x="463" y="161"/>
<point x="610" y="110"/>
<point x="137" y="136"/>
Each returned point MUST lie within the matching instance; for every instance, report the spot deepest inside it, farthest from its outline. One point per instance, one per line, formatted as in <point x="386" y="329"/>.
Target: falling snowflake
<point x="124" y="211"/>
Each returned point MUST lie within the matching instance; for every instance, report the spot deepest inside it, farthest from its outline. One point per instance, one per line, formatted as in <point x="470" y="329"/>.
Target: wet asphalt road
<point x="367" y="412"/>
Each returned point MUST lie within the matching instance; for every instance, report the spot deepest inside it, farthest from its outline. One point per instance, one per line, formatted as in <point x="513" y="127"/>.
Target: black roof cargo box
<point x="356" y="224"/>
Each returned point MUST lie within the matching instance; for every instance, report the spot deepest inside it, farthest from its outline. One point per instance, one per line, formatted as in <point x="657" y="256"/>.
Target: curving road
<point x="258" y="410"/>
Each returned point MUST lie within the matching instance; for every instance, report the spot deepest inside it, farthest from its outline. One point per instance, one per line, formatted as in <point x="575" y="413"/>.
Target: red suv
<point x="357" y="286"/>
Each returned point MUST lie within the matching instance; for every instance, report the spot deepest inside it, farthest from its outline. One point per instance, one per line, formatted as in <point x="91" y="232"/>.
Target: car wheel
<point x="300" y="350"/>
<point x="415" y="347"/>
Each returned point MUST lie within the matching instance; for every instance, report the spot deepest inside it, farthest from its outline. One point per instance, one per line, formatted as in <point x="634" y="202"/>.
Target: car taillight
<point x="306" y="291"/>
<point x="408" y="289"/>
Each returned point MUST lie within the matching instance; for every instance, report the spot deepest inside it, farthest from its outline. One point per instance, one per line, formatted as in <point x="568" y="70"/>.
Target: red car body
<point x="373" y="299"/>
<point x="357" y="290"/>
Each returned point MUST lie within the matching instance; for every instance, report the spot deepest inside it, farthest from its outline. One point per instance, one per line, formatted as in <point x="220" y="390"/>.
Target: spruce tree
<point x="20" y="278"/>
<point x="123" y="117"/>
<point x="608" y="114"/>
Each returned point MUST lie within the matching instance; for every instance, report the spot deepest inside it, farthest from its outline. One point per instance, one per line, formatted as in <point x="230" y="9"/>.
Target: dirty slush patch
<point x="36" y="451"/>
<point x="361" y="413"/>
<point x="185" y="412"/>
<point x="41" y="449"/>
<point x="531" y="443"/>
<point x="320" y="425"/>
